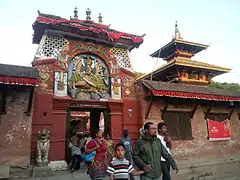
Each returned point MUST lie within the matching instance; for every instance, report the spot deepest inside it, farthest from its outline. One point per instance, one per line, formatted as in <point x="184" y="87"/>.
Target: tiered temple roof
<point x="182" y="77"/>
<point x="180" y="67"/>
<point x="83" y="29"/>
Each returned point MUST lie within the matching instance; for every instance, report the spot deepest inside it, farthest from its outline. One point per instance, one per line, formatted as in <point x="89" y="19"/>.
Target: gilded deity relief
<point x="88" y="78"/>
<point x="116" y="90"/>
<point x="60" y="83"/>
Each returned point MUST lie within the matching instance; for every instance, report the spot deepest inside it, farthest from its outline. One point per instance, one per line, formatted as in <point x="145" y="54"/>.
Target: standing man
<point x="76" y="153"/>
<point x="147" y="154"/>
<point x="163" y="136"/>
<point x="128" y="145"/>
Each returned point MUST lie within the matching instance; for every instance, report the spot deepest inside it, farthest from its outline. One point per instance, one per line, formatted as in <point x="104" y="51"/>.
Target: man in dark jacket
<point x="147" y="154"/>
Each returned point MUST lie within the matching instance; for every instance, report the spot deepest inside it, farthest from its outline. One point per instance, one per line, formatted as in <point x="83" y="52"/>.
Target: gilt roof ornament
<point x="100" y="18"/>
<point x="88" y="13"/>
<point x="177" y="32"/>
<point x="75" y="13"/>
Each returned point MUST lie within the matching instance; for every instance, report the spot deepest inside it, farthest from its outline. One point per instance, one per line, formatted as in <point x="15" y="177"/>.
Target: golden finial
<point x="177" y="32"/>
<point x="100" y="18"/>
<point x="88" y="13"/>
<point x="75" y="13"/>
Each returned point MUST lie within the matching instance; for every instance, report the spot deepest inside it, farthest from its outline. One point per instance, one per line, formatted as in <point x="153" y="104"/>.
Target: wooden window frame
<point x="179" y="126"/>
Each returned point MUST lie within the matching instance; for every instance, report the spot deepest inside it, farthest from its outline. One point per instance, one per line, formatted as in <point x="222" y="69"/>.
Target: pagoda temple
<point x="180" y="68"/>
<point x="85" y="72"/>
<point x="178" y="93"/>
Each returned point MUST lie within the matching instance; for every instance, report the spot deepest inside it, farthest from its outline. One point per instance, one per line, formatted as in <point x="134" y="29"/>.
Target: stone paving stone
<point x="4" y="172"/>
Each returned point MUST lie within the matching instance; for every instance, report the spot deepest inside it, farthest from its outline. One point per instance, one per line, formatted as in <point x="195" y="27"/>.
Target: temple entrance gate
<point x="86" y="118"/>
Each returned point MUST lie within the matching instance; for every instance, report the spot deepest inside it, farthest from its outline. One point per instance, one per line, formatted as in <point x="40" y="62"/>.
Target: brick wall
<point x="200" y="146"/>
<point x="15" y="129"/>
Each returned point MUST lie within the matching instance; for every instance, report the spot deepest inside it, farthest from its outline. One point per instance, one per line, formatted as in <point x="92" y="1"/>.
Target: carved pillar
<point x="116" y="118"/>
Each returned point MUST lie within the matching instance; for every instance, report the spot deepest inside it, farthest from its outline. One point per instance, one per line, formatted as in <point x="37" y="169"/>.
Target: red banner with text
<point x="219" y="131"/>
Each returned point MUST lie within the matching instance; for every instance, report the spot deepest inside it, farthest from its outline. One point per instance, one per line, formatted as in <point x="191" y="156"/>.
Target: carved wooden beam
<point x="149" y="108"/>
<point x="209" y="110"/>
<point x="193" y="111"/>
<point x="231" y="112"/>
<point x="28" y="111"/>
<point x="165" y="108"/>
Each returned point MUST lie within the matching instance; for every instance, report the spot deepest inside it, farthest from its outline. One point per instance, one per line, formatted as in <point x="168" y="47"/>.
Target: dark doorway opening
<point x="82" y="121"/>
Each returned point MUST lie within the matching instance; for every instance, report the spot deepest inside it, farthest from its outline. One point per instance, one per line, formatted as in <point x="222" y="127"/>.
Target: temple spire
<point x="75" y="13"/>
<point x="88" y="13"/>
<point x="177" y="32"/>
<point x="100" y="18"/>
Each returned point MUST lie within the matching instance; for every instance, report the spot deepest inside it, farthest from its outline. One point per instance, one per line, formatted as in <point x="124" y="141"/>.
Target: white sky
<point x="201" y="21"/>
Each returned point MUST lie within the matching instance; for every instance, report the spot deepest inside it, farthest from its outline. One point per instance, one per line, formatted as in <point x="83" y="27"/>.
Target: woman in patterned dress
<point x="97" y="170"/>
<point x="110" y="149"/>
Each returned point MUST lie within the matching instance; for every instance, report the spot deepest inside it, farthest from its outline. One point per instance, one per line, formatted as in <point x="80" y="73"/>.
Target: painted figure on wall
<point x="116" y="85"/>
<point x="60" y="84"/>
<point x="127" y="84"/>
<point x="116" y="88"/>
<point x="63" y="56"/>
<point x="89" y="76"/>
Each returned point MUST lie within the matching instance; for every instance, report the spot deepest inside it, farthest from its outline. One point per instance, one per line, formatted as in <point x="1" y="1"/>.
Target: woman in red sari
<point x="97" y="170"/>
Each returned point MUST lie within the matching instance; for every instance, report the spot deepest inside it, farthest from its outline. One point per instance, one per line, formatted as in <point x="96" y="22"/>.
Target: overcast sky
<point x="214" y="22"/>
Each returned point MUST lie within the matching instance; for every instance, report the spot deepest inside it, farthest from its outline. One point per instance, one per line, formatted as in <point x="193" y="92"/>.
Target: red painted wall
<point x="45" y="117"/>
<point x="52" y="114"/>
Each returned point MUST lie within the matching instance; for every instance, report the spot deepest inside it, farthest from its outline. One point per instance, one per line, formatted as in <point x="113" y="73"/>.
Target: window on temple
<point x="179" y="125"/>
<point x="217" y="116"/>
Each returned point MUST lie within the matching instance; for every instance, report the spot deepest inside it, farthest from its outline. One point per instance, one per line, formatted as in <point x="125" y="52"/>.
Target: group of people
<point x="150" y="158"/>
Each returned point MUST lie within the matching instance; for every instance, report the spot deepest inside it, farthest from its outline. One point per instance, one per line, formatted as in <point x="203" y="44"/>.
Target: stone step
<point x="4" y="172"/>
<point x="17" y="173"/>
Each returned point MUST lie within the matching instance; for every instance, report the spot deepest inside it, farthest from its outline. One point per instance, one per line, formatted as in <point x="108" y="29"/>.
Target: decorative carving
<point x="44" y="75"/>
<point x="89" y="76"/>
<point x="63" y="56"/>
<point x="122" y="57"/>
<point x="60" y="84"/>
<point x="43" y="146"/>
<point x="127" y="85"/>
<point x="50" y="46"/>
<point x="193" y="75"/>
<point x="114" y="67"/>
<point x="92" y="48"/>
<point x="116" y="88"/>
<point x="202" y="77"/>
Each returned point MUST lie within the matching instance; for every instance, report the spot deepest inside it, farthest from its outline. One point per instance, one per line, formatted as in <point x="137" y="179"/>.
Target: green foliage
<point x="139" y="74"/>
<point x="228" y="86"/>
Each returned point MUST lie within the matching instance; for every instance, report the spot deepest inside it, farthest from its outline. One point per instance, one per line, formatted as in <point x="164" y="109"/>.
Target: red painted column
<point x="116" y="118"/>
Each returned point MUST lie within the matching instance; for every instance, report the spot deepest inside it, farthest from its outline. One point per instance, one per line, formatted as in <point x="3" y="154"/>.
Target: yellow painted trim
<point x="191" y="43"/>
<point x="210" y="66"/>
